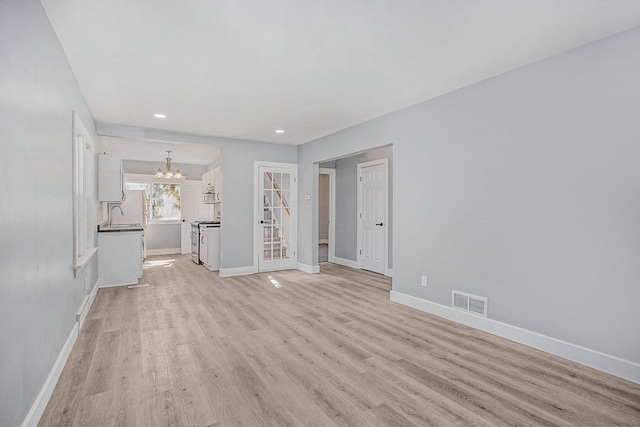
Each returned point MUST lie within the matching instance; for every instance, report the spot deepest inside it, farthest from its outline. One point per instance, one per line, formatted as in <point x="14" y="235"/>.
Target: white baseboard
<point x="81" y="314"/>
<point x="323" y="241"/>
<point x="345" y="262"/>
<point x="312" y="269"/>
<point x="86" y="304"/>
<point x="118" y="284"/>
<point x="237" y="271"/>
<point x="603" y="362"/>
<point x="94" y="292"/>
<point x="389" y="272"/>
<point x="166" y="251"/>
<point x="37" y="409"/>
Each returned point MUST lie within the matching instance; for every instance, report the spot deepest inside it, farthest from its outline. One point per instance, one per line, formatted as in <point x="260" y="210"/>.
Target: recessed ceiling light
<point x="160" y="116"/>
<point x="279" y="130"/>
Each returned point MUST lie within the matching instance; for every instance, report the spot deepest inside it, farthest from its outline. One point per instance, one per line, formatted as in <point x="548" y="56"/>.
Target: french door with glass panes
<point x="277" y="216"/>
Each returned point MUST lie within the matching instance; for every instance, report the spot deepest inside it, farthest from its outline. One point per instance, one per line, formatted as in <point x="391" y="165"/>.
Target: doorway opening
<point x="345" y="238"/>
<point x="326" y="214"/>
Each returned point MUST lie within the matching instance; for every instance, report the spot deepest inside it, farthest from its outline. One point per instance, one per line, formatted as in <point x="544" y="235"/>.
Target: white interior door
<point x="372" y="230"/>
<point x="277" y="216"/>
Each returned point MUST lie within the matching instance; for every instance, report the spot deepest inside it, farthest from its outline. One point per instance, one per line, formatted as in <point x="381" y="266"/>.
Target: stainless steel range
<point x="195" y="239"/>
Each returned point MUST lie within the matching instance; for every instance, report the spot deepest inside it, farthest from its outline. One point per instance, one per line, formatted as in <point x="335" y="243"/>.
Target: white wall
<point x="40" y="296"/>
<point x="524" y="188"/>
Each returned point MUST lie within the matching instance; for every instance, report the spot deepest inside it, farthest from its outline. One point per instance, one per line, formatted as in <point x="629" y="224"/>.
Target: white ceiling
<point x="243" y="68"/>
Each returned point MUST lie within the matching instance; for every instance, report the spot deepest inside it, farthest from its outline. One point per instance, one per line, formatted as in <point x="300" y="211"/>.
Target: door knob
<point x="263" y="222"/>
<point x="381" y="224"/>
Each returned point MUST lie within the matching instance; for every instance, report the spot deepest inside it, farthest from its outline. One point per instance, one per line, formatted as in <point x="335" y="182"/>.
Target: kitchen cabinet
<point x="110" y="178"/>
<point x="210" y="247"/>
<point x="119" y="257"/>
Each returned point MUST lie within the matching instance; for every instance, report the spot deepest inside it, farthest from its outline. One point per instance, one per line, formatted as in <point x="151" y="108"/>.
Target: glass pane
<point x="267" y="245"/>
<point x="285" y="195"/>
<point x="165" y="201"/>
<point x="267" y="180"/>
<point x="286" y="178"/>
<point x="266" y="205"/>
<point x="284" y="232"/>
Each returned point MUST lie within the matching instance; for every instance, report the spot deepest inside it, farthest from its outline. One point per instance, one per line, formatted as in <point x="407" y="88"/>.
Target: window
<point x="163" y="199"/>
<point x="83" y="197"/>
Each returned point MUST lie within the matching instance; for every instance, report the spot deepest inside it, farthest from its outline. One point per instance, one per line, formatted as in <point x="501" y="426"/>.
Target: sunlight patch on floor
<point x="274" y="282"/>
<point x="158" y="263"/>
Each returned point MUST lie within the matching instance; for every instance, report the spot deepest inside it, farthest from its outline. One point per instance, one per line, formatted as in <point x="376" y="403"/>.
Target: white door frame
<point x="332" y="211"/>
<point x="360" y="166"/>
<point x="257" y="207"/>
<point x="197" y="207"/>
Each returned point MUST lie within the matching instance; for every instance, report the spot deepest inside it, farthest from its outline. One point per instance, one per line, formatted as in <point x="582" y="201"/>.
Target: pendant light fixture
<point x="169" y="173"/>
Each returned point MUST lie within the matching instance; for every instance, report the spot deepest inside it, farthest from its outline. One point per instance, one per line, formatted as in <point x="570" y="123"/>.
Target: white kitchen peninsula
<point x="119" y="255"/>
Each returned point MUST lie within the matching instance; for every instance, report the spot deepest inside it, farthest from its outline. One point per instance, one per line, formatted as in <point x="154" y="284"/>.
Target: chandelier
<point x="169" y="173"/>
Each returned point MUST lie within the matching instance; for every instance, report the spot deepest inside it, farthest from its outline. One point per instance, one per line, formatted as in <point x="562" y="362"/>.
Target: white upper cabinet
<point x="110" y="178"/>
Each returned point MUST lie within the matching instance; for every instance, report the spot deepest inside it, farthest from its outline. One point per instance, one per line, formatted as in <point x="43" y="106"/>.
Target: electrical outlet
<point x="424" y="281"/>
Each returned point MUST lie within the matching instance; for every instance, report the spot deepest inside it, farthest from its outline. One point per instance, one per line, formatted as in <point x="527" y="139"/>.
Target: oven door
<point x="195" y="248"/>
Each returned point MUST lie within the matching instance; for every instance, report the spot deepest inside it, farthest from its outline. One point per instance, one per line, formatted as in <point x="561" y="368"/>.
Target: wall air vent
<point x="467" y="302"/>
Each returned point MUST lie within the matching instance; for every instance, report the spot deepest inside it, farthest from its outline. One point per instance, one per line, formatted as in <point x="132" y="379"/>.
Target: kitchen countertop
<point x="119" y="227"/>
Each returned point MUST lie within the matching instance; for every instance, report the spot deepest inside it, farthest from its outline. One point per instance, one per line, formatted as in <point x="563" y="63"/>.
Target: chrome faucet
<point x="110" y="207"/>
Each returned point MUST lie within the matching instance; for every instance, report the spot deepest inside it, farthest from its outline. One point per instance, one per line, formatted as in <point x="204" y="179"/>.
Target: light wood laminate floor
<point x="192" y="349"/>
